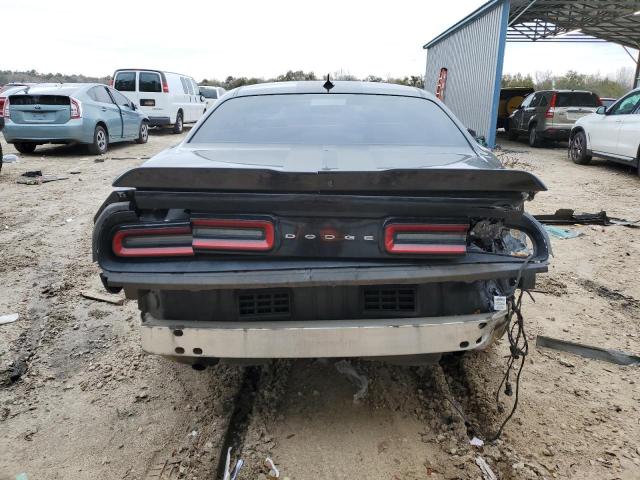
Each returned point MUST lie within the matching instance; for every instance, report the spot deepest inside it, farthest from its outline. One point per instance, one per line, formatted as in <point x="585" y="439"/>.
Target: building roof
<point x="565" y="21"/>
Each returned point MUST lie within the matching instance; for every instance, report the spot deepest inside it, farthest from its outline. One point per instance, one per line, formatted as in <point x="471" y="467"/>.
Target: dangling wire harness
<point x="518" y="350"/>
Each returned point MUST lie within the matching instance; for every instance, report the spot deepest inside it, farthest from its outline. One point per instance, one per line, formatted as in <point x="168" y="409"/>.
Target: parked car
<point x="612" y="133"/>
<point x="300" y="220"/>
<point x="607" y="102"/>
<point x="211" y="94"/>
<point x="87" y="113"/>
<point x="550" y="114"/>
<point x="510" y="100"/>
<point x="169" y="99"/>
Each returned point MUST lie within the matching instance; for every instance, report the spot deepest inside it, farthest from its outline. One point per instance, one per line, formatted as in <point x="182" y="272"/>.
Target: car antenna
<point x="328" y="84"/>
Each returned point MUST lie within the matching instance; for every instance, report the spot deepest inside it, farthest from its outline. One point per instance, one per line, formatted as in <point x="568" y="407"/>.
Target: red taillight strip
<point x="235" y="244"/>
<point x="391" y="246"/>
<point x="120" y="250"/>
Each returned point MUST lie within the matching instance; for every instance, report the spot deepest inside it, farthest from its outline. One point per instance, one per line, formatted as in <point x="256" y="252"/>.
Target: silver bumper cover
<point x="321" y="338"/>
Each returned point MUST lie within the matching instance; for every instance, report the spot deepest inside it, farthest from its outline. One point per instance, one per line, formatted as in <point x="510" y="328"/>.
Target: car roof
<point x="57" y="89"/>
<point x="155" y="70"/>
<point x="358" y="87"/>
<point x="564" y="91"/>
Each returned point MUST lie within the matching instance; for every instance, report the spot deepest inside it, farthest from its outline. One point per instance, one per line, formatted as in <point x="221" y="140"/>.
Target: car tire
<point x="0" y="157"/>
<point x="179" y="125"/>
<point x="25" y="147"/>
<point x="143" y="134"/>
<point x="534" y="138"/>
<point x="578" y="149"/>
<point x="100" y="141"/>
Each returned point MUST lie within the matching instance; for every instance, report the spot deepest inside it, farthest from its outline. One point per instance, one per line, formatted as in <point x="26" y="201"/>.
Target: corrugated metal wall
<point x="473" y="56"/>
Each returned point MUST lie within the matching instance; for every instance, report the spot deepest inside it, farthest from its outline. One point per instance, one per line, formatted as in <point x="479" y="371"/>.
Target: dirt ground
<point x="79" y="400"/>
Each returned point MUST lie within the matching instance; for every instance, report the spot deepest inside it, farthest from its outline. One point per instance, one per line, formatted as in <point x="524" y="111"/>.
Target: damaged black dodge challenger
<point x="303" y="219"/>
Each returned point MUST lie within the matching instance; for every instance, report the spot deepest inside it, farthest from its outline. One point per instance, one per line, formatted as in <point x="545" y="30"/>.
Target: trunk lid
<point x="373" y="170"/>
<point x="40" y="109"/>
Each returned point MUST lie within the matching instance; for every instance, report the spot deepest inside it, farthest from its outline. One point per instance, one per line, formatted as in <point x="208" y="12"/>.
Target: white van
<point x="211" y="94"/>
<point x="168" y="99"/>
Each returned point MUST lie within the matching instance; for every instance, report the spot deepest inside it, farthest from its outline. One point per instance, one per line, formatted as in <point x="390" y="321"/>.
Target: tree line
<point x="612" y="86"/>
<point x="231" y="82"/>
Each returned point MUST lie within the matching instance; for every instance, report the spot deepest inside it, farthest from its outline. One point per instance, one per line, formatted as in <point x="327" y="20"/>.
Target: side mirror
<point x="202" y="98"/>
<point x="601" y="110"/>
<point x="134" y="107"/>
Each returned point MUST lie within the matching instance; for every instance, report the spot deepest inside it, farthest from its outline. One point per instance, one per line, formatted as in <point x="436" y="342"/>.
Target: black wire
<point x="517" y="336"/>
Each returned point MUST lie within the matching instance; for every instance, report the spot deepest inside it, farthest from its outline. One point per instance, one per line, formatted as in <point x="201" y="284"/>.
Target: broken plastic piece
<point x="476" y="442"/>
<point x="562" y="233"/>
<point x="596" y="353"/>
<point x="347" y="369"/>
<point x="9" y="158"/>
<point x="487" y="473"/>
<point x="12" y="317"/>
<point x="227" y="474"/>
<point x="273" y="471"/>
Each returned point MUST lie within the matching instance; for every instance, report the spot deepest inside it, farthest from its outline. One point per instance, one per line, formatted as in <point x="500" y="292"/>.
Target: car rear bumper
<point x="159" y="121"/>
<point x="72" y="131"/>
<point x="321" y="338"/>
<point x="556" y="133"/>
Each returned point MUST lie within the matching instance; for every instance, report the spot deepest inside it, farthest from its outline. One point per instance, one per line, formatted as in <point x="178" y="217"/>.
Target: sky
<point x="262" y="38"/>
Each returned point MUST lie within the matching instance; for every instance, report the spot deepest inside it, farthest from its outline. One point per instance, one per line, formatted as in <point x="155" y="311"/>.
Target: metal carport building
<point x="464" y="63"/>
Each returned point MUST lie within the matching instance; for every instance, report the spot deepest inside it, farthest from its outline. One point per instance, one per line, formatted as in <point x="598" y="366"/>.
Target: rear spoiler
<point x="400" y="181"/>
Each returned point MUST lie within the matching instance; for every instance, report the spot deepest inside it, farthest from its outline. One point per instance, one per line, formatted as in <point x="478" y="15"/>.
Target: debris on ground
<point x="476" y="442"/>
<point x="10" y="318"/>
<point x="101" y="297"/>
<point x="345" y="368"/>
<point x="274" y="473"/>
<point x="35" y="177"/>
<point x="595" y="353"/>
<point x="487" y="473"/>
<point x="567" y="216"/>
<point x="562" y="233"/>
<point x="10" y="158"/>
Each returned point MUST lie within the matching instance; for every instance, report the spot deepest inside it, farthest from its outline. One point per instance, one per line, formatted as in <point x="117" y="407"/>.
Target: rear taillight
<point x="204" y="234"/>
<point x="4" y="107"/>
<point x="427" y="239"/>
<point x="153" y="242"/>
<point x="598" y="101"/>
<point x="165" y="86"/>
<point x="231" y="234"/>
<point x="552" y="107"/>
<point x="76" y="108"/>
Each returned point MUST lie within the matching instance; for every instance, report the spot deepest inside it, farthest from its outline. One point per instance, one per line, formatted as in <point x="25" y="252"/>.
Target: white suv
<point x="168" y="99"/>
<point x="612" y="133"/>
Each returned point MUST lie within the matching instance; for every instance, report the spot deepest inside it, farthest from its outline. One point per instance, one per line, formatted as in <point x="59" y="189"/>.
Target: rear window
<point x="150" y="82"/>
<point x="125" y="82"/>
<point x="209" y="92"/>
<point x="336" y="119"/>
<point x="577" y="99"/>
<point x="39" y="100"/>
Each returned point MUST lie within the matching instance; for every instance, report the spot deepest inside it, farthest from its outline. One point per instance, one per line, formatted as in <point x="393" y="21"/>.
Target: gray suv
<point x="550" y="114"/>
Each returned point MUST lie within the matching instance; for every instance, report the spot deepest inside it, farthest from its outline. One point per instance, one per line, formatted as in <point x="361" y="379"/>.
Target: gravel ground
<point x="79" y="400"/>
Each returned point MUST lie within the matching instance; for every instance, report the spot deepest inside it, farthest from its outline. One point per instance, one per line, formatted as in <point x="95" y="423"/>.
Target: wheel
<point x="143" y="136"/>
<point x="25" y="147"/>
<point x="179" y="125"/>
<point x="534" y="138"/>
<point x="512" y="133"/>
<point x="0" y="157"/>
<point x="578" y="149"/>
<point x="100" y="141"/>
